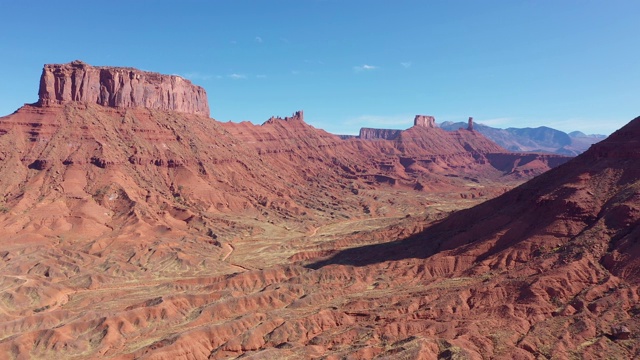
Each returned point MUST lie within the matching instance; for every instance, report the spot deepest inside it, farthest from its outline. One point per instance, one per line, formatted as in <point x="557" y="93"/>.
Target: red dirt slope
<point x="131" y="232"/>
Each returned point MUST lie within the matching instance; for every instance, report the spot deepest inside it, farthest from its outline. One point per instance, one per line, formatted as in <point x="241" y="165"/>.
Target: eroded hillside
<point x="133" y="230"/>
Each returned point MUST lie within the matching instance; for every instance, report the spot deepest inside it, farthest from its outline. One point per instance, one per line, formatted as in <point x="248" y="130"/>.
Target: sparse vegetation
<point x="101" y="192"/>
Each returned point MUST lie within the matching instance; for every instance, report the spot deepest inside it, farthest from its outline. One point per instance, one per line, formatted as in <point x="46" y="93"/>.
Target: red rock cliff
<point x="120" y="87"/>
<point x="386" y="134"/>
<point x="425" y="121"/>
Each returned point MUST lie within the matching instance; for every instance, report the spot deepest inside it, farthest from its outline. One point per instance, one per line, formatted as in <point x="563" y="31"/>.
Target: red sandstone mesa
<point x="120" y="87"/>
<point x="425" y="121"/>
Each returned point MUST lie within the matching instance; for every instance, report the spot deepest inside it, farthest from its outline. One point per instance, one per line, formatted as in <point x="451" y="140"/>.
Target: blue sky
<point x="567" y="64"/>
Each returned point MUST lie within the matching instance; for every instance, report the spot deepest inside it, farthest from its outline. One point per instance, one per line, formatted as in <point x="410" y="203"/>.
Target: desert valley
<point x="134" y="226"/>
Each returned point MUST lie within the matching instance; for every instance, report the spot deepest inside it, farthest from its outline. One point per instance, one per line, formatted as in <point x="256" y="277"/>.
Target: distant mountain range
<point x="538" y="139"/>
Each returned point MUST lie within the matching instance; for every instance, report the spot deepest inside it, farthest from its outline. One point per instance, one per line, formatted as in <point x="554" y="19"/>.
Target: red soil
<point x="136" y="233"/>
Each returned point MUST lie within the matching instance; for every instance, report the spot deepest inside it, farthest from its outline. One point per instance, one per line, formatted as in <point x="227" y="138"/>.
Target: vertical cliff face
<point x="120" y="87"/>
<point x="425" y="121"/>
<point x="385" y="134"/>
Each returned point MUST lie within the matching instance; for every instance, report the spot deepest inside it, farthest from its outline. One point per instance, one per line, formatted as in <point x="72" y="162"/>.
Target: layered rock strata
<point x="386" y="134"/>
<point x="119" y="87"/>
<point x="425" y="121"/>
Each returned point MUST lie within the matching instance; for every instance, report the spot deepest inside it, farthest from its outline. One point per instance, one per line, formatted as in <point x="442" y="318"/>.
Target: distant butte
<point x="119" y="87"/>
<point x="420" y="121"/>
<point x="424" y="121"/>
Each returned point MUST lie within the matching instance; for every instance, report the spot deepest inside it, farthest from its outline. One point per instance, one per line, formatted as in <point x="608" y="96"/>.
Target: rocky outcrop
<point x="119" y="87"/>
<point x="297" y="116"/>
<point x="425" y="121"/>
<point x="470" y="126"/>
<point x="620" y="332"/>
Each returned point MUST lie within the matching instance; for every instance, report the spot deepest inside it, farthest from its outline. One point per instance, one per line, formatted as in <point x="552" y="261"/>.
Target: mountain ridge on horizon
<point x="534" y="139"/>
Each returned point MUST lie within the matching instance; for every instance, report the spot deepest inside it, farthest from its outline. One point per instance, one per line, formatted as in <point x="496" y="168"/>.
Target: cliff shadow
<point x="414" y="246"/>
<point x="505" y="221"/>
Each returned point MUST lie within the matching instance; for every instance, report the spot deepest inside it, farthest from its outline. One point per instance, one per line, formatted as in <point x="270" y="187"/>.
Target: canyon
<point x="136" y="227"/>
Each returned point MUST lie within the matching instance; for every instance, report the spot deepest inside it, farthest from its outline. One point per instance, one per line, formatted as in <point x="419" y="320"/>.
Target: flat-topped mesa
<point x="424" y="121"/>
<point x="119" y="87"/>
<point x="385" y="134"/>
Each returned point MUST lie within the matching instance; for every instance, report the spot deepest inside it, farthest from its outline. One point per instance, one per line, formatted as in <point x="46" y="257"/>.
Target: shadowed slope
<point x="554" y="261"/>
<point x="595" y="191"/>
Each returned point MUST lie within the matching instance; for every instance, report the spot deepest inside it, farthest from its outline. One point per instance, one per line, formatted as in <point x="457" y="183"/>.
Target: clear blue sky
<point x="567" y="64"/>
